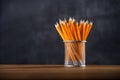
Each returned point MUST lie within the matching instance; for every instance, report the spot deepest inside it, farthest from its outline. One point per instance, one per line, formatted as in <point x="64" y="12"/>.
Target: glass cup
<point x="74" y="53"/>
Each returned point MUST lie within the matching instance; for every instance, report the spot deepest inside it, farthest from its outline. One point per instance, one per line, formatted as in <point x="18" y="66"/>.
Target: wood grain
<point x="59" y="72"/>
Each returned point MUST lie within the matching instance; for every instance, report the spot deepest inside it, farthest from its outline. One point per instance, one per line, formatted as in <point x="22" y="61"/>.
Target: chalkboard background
<point x="28" y="35"/>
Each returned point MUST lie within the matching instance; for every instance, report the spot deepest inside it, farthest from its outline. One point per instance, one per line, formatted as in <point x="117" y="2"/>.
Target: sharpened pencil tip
<point x="73" y="19"/>
<point x="91" y="23"/>
<point x="70" y="19"/>
<point x="87" y="22"/>
<point x="56" y="25"/>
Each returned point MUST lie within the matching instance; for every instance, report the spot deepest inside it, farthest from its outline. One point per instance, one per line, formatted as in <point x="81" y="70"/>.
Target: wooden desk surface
<point x="59" y="72"/>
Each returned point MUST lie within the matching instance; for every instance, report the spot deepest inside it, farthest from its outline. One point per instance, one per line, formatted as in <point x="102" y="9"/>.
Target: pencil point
<point x="91" y="23"/>
<point x="81" y="21"/>
<point x="70" y="19"/>
<point x="73" y="19"/>
<point x="87" y="22"/>
<point x="65" y="20"/>
<point x="60" y="21"/>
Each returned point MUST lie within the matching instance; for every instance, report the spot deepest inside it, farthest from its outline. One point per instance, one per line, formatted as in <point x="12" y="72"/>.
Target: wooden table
<point x="59" y="72"/>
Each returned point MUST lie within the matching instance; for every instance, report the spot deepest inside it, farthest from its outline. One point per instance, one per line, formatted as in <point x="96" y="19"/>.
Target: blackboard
<point x="28" y="35"/>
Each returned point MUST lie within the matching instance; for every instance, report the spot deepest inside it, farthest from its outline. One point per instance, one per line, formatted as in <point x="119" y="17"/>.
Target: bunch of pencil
<point x="74" y="35"/>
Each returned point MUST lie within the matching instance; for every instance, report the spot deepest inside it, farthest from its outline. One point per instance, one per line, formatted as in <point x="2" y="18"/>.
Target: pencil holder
<point x="74" y="53"/>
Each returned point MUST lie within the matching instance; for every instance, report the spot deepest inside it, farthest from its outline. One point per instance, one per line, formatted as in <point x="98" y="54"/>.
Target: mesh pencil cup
<point x="74" y="53"/>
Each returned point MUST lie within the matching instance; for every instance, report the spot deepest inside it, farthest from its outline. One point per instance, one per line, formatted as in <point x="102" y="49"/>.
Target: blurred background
<point x="28" y="35"/>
